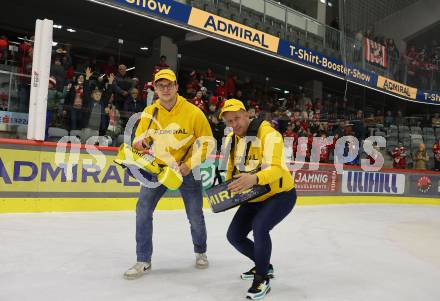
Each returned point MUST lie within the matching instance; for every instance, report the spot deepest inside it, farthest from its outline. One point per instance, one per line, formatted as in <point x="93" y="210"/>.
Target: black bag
<point x="220" y="197"/>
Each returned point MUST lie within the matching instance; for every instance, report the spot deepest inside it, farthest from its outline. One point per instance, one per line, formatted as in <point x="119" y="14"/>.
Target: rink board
<point x="26" y="205"/>
<point x="34" y="178"/>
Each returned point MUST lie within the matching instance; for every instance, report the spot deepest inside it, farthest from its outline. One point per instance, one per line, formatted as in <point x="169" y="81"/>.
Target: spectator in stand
<point x="4" y="47"/>
<point x="199" y="102"/>
<point x="148" y="93"/>
<point x="436" y="120"/>
<point x="95" y="103"/>
<point x="114" y="128"/>
<point x="210" y="82"/>
<point x="389" y="119"/>
<point x="221" y="89"/>
<point x="161" y="65"/>
<point x="436" y="151"/>
<point x="421" y="158"/>
<point x="218" y="128"/>
<point x="340" y="130"/>
<point x="399" y="157"/>
<point x="133" y="104"/>
<point x="193" y="85"/>
<point x="59" y="73"/>
<point x="239" y="96"/>
<point x="212" y="109"/>
<point x="74" y="102"/>
<point x="135" y="83"/>
<point x="231" y="86"/>
<point x="411" y="56"/>
<point x="393" y="58"/>
<point x="252" y="113"/>
<point x="400" y="120"/>
<point x="423" y="71"/>
<point x="54" y="98"/>
<point x="247" y="88"/>
<point x="289" y="133"/>
<point x="373" y="157"/>
<point x="359" y="126"/>
<point x="121" y="87"/>
<point x="324" y="154"/>
<point x="25" y="67"/>
<point x="110" y="66"/>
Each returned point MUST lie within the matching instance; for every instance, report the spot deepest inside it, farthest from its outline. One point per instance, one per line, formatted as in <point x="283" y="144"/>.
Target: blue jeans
<point x="191" y="191"/>
<point x="261" y="218"/>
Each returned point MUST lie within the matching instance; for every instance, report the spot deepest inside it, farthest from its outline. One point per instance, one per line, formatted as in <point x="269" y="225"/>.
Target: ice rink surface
<point x="350" y="252"/>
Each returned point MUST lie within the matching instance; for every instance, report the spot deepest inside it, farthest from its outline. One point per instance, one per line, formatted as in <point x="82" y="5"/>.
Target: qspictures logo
<point x="424" y="184"/>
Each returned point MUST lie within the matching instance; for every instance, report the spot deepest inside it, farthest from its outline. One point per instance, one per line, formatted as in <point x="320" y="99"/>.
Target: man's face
<point x="238" y="121"/>
<point x="122" y="69"/>
<point x="166" y="89"/>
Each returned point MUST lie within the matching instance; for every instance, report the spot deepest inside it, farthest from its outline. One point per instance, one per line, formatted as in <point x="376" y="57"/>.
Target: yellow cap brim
<point x="230" y="109"/>
<point x="170" y="78"/>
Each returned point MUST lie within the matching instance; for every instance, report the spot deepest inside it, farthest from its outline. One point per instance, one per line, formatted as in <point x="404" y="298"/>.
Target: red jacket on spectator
<point x="70" y="73"/>
<point x="198" y="102"/>
<point x="230" y="87"/>
<point x="302" y="149"/>
<point x="399" y="157"/>
<point x="324" y="151"/>
<point x="147" y="85"/>
<point x="221" y="91"/>
<point x="291" y="134"/>
<point x="436" y="151"/>
<point x="4" y="44"/>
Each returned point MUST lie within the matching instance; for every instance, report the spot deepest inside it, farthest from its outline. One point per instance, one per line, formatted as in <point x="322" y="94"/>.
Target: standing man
<point x="121" y="87"/>
<point x="262" y="214"/>
<point x="173" y="125"/>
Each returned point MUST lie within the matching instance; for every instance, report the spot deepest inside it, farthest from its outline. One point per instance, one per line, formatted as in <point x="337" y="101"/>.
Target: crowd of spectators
<point x="101" y="96"/>
<point x="297" y="115"/>
<point x="418" y="66"/>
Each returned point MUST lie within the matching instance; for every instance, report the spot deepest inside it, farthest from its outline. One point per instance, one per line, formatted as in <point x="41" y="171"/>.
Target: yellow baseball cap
<point x="232" y="105"/>
<point x="165" y="74"/>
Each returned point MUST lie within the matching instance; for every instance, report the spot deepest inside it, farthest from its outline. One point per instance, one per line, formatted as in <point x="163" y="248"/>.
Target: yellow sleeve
<point x="202" y="128"/>
<point x="230" y="166"/>
<point x="272" y="161"/>
<point x="141" y="130"/>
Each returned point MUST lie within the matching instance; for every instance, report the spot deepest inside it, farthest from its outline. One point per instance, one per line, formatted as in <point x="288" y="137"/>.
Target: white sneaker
<point x="201" y="261"/>
<point x="136" y="271"/>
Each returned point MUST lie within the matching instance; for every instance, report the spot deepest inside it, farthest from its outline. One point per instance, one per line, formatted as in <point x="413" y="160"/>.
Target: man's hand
<point x="88" y="73"/>
<point x="140" y="145"/>
<point x="184" y="169"/>
<point x="243" y="182"/>
<point x="111" y="78"/>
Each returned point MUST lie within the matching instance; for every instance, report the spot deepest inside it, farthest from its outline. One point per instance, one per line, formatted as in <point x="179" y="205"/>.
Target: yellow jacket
<point x="173" y="132"/>
<point x="268" y="153"/>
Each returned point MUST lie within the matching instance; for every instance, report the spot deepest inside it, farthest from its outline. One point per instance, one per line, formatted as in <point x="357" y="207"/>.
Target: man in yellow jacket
<point x="170" y="128"/>
<point x="261" y="162"/>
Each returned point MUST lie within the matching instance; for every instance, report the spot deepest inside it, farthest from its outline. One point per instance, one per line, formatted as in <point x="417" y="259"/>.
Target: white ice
<point x="352" y="252"/>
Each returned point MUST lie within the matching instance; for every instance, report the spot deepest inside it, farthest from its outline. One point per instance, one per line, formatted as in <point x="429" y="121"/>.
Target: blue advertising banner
<point x="428" y="97"/>
<point x="331" y="65"/>
<point x="372" y="183"/>
<point x="164" y="8"/>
